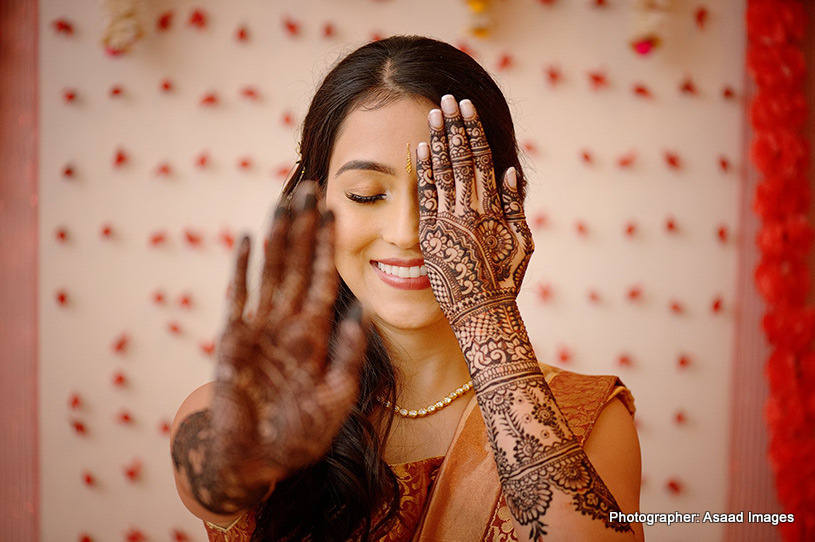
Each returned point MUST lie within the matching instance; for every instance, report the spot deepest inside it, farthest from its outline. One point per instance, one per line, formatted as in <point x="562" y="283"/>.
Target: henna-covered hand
<point x="474" y="238"/>
<point x="476" y="245"/>
<point x="282" y="391"/>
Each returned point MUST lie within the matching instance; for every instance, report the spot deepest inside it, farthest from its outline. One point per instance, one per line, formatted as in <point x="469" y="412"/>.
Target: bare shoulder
<point x="197" y="401"/>
<point x="614" y="450"/>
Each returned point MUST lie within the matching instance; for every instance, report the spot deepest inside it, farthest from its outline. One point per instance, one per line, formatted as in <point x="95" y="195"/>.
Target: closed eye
<point x="358" y="198"/>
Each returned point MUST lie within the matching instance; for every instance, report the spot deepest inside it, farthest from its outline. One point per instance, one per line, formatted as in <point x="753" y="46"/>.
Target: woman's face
<point x="372" y="190"/>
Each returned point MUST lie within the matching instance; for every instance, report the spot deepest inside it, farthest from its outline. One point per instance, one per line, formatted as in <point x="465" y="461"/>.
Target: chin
<point x="406" y="317"/>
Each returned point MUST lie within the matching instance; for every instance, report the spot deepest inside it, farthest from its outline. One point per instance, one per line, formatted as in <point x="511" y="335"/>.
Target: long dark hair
<point x="351" y="492"/>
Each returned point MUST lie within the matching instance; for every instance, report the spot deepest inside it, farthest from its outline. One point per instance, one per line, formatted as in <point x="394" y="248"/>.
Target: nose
<point x="401" y="225"/>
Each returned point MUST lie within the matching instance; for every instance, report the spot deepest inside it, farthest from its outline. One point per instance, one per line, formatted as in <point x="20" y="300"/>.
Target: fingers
<point x="440" y="160"/>
<point x="237" y="298"/>
<point x="274" y="259"/>
<point x="513" y="205"/>
<point x="341" y="383"/>
<point x="428" y="198"/>
<point x="485" y="188"/>
<point x="461" y="158"/>
<point x="299" y="251"/>
<point x="322" y="292"/>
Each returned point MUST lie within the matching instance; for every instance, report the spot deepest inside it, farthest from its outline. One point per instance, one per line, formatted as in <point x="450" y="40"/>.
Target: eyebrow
<point x="366" y="165"/>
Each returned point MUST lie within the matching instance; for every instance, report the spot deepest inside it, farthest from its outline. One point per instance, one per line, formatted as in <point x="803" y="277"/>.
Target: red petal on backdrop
<point x="564" y="355"/>
<point x="202" y="160"/>
<point x="672" y="159"/>
<point x="250" y="93"/>
<point x="688" y="86"/>
<point x="63" y="26"/>
<point x="208" y="347"/>
<point x="209" y="99"/>
<point x="642" y="91"/>
<point x="553" y="75"/>
<point x="61" y="297"/>
<point x="193" y="238"/>
<point x="291" y="26"/>
<point x="135" y="535"/>
<point x="132" y="471"/>
<point x="79" y="428"/>
<point x="121" y="343"/>
<point x="198" y="19"/>
<point x="674" y="486"/>
<point x="627" y="160"/>
<point x="164" y="21"/>
<point x="158" y="238"/>
<point x="598" y="80"/>
<point x="120" y="158"/>
<point x="624" y="360"/>
<point x="545" y="292"/>
<point x="505" y="61"/>
<point x="701" y="16"/>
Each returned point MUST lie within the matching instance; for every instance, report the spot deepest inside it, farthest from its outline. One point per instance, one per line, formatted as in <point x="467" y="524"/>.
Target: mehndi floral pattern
<point x="477" y="246"/>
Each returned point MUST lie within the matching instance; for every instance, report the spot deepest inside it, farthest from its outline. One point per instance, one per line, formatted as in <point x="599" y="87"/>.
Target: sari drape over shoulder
<point x="458" y="498"/>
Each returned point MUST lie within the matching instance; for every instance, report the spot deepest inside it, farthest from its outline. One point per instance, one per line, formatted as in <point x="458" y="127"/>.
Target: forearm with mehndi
<point x="535" y="451"/>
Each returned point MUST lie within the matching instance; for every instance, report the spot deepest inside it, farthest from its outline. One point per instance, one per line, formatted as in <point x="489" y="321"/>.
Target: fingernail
<point x="448" y="104"/>
<point x="328" y="216"/>
<point x="511" y="177"/>
<point x="355" y="312"/>
<point x="467" y="109"/>
<point x="310" y="201"/>
<point x="281" y="210"/>
<point x="435" y="118"/>
<point x="422" y="151"/>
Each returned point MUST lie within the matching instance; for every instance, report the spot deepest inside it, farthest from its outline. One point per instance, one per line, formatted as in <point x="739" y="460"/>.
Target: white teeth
<point x="404" y="272"/>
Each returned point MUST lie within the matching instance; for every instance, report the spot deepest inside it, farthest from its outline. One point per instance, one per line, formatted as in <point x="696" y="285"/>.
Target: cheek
<point x="352" y="236"/>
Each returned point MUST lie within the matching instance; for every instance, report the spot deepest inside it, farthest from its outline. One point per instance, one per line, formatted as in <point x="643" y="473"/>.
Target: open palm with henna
<point x="474" y="237"/>
<point x="282" y="390"/>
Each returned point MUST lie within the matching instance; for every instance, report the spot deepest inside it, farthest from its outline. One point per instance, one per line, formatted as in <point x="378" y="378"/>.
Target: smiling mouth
<point x="412" y="272"/>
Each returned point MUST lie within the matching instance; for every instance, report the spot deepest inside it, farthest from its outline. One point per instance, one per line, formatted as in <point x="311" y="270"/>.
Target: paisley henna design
<point x="476" y="256"/>
<point x="277" y="401"/>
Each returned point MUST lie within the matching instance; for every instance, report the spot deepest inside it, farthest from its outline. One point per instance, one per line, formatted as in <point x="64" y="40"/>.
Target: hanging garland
<point x="780" y="152"/>
<point x="124" y="27"/>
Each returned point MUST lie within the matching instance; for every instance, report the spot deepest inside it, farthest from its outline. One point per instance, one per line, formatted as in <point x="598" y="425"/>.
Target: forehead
<point x="377" y="132"/>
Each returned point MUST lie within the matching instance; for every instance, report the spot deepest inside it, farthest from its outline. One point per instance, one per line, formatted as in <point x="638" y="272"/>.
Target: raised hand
<point x="474" y="238"/>
<point x="282" y="391"/>
<point x="476" y="245"/>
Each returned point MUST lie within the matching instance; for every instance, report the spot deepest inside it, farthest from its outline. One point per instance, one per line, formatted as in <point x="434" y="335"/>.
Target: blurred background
<point x="163" y="132"/>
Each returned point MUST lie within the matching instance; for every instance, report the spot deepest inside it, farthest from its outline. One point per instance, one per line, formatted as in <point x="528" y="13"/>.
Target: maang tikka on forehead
<point x="408" y="163"/>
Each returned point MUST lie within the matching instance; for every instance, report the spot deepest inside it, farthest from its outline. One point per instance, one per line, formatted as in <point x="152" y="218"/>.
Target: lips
<point x="402" y="274"/>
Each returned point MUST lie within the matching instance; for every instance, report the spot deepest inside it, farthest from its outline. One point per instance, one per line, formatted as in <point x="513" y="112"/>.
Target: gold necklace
<point x="429" y="409"/>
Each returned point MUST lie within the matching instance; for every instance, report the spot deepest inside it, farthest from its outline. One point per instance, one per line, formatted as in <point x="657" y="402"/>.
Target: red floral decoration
<point x="780" y="153"/>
